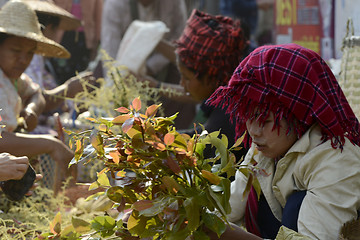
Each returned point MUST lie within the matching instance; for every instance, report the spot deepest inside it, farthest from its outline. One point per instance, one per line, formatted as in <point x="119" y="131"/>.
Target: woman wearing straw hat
<point x="53" y="19"/>
<point x="20" y="39"/>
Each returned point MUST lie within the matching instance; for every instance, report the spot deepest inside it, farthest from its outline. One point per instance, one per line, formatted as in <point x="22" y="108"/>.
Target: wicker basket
<point x="349" y="77"/>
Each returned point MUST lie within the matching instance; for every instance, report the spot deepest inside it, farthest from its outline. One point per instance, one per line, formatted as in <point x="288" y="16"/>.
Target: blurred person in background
<point x="117" y="17"/>
<point x="83" y="42"/>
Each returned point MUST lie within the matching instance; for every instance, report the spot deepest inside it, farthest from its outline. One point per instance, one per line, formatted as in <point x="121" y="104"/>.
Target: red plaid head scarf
<point x="212" y="46"/>
<point x="294" y="83"/>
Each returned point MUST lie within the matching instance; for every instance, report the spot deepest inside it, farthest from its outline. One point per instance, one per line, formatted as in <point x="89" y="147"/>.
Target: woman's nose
<point x="253" y="128"/>
<point x="24" y="58"/>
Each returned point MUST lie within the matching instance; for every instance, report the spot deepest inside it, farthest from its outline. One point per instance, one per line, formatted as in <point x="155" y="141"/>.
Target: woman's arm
<point x="234" y="232"/>
<point x="31" y="145"/>
<point x="33" y="101"/>
<point x="56" y="96"/>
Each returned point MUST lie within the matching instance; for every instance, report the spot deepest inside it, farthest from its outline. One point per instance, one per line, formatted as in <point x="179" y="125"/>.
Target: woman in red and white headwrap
<point x="208" y="52"/>
<point x="303" y="134"/>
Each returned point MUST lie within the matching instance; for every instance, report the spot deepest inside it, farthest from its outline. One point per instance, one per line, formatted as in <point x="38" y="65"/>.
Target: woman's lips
<point x="259" y="147"/>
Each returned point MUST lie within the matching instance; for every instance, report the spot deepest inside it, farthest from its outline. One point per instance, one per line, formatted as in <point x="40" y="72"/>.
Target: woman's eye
<point x="268" y="122"/>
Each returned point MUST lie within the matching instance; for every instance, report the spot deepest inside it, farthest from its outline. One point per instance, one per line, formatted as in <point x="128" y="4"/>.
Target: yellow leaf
<point x="115" y="156"/>
<point x="121" y="173"/>
<point x="214" y="179"/>
<point x="80" y="225"/>
<point x="239" y="141"/>
<point x="78" y="145"/>
<point x="67" y="230"/>
<point x="248" y="185"/>
<point x="190" y="146"/>
<point x="103" y="180"/>
<point x="102" y="127"/>
<point x="93" y="186"/>
<point x="132" y="222"/>
<point x="55" y="225"/>
<point x="91" y="119"/>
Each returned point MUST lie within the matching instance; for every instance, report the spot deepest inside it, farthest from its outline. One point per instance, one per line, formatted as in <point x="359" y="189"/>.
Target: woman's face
<point x="271" y="143"/>
<point x="15" y="55"/>
<point x="199" y="90"/>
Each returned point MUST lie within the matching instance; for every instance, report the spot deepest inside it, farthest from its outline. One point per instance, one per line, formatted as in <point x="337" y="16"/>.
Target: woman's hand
<point x="62" y="155"/>
<point x="30" y="118"/>
<point x="35" y="185"/>
<point x="12" y="167"/>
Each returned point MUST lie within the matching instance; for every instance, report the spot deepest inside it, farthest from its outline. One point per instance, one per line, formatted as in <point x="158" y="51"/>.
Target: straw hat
<point x="68" y="21"/>
<point x="18" y="19"/>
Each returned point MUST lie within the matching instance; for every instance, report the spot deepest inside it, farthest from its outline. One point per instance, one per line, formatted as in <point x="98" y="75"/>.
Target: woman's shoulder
<point x="321" y="155"/>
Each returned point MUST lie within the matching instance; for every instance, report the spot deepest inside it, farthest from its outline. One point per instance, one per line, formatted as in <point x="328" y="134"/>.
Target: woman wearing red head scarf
<point x="207" y="54"/>
<point x="303" y="134"/>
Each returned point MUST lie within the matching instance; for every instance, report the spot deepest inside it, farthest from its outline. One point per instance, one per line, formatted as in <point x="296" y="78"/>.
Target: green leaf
<point x="138" y="143"/>
<point x="97" y="142"/>
<point x="80" y="225"/>
<point x="230" y="168"/>
<point x="171" y="184"/>
<point x="103" y="224"/>
<point x="225" y="197"/>
<point x="180" y="141"/>
<point x="69" y="231"/>
<point x="215" y="201"/>
<point x="154" y="208"/>
<point x="200" y="235"/>
<point x="192" y="213"/>
<point x="225" y="140"/>
<point x="220" y="147"/>
<point x="179" y="235"/>
<point x="115" y="194"/>
<point x="214" y="223"/>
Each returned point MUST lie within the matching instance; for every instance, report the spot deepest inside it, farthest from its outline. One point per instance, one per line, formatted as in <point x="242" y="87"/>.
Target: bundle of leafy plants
<point x="118" y="88"/>
<point x="157" y="175"/>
